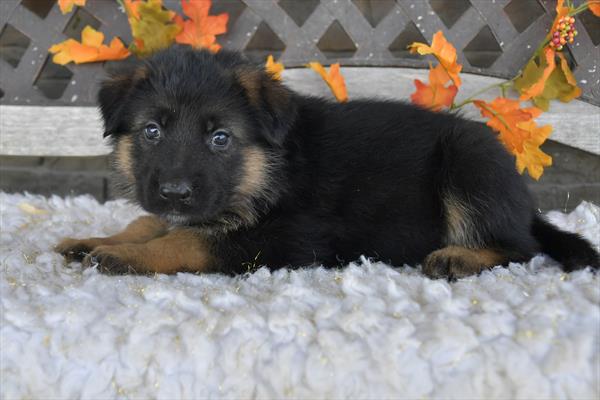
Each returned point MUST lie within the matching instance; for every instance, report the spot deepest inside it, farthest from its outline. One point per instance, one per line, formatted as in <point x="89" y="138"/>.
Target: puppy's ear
<point x="113" y="95"/>
<point x="274" y="102"/>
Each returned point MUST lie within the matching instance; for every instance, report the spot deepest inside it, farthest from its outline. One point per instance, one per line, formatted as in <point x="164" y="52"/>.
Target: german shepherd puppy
<point x="237" y="171"/>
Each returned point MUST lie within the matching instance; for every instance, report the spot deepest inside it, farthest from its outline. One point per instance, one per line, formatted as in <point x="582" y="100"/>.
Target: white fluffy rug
<point x="367" y="331"/>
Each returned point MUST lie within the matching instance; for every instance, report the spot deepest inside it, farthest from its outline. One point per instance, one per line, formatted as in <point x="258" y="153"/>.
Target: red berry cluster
<point x="565" y="33"/>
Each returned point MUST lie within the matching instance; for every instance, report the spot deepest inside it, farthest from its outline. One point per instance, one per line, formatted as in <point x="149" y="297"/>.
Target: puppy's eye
<point x="152" y="131"/>
<point x="220" y="138"/>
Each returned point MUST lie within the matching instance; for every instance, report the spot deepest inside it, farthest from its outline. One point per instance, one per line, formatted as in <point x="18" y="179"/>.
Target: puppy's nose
<point x="176" y="191"/>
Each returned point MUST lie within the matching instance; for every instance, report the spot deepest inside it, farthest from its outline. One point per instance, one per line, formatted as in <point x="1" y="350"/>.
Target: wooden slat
<point x="51" y="131"/>
<point x="77" y="131"/>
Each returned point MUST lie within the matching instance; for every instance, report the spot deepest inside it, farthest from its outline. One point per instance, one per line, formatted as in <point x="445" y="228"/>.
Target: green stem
<point x="583" y="7"/>
<point x="470" y="99"/>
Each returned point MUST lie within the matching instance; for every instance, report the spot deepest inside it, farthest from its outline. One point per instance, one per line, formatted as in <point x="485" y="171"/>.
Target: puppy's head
<point x="198" y="137"/>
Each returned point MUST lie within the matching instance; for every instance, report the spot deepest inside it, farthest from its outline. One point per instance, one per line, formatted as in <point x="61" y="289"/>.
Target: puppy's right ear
<point x="113" y="95"/>
<point x="274" y="101"/>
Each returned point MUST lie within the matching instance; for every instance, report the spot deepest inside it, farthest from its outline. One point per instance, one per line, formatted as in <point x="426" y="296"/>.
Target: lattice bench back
<point x="493" y="37"/>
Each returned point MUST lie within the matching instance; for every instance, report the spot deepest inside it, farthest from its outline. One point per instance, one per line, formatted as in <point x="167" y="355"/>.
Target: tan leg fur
<point x="179" y="250"/>
<point x="141" y="230"/>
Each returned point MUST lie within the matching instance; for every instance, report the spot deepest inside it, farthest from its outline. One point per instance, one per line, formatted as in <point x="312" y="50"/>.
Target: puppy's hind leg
<point x="455" y="262"/>
<point x="466" y="252"/>
<point x="486" y="206"/>
<point x="140" y="230"/>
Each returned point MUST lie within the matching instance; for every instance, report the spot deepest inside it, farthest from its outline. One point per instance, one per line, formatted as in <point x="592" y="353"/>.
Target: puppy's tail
<point x="569" y="249"/>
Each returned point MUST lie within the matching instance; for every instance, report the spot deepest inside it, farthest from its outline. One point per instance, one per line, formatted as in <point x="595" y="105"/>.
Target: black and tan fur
<point x="244" y="171"/>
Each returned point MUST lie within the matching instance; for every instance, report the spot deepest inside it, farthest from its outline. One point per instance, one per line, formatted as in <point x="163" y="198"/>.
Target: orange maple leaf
<point x="333" y="78"/>
<point x="152" y="26"/>
<point x="532" y="157"/>
<point x="444" y="52"/>
<point x="200" y="30"/>
<point x="538" y="87"/>
<point x="436" y="95"/>
<point x="274" y="68"/>
<point x="576" y="92"/>
<point x="89" y="50"/>
<point x="594" y="6"/>
<point x="504" y="115"/>
<point x="518" y="132"/>
<point x="66" y="6"/>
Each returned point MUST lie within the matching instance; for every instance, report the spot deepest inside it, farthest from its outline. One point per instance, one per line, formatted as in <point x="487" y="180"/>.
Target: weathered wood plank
<point x="77" y="131"/>
<point x="51" y="131"/>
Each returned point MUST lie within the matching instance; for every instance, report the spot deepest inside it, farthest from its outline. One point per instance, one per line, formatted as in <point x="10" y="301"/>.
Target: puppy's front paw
<point x="454" y="262"/>
<point x="75" y="249"/>
<point x="110" y="260"/>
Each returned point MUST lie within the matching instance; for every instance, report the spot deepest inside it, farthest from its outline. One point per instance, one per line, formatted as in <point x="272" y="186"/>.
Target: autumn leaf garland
<point x="153" y="28"/>
<point x="545" y="77"/>
<point x="515" y="125"/>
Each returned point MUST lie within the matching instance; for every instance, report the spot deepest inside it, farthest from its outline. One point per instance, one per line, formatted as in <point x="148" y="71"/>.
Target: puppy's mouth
<point x="222" y="224"/>
<point x="177" y="218"/>
<point x="180" y="218"/>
